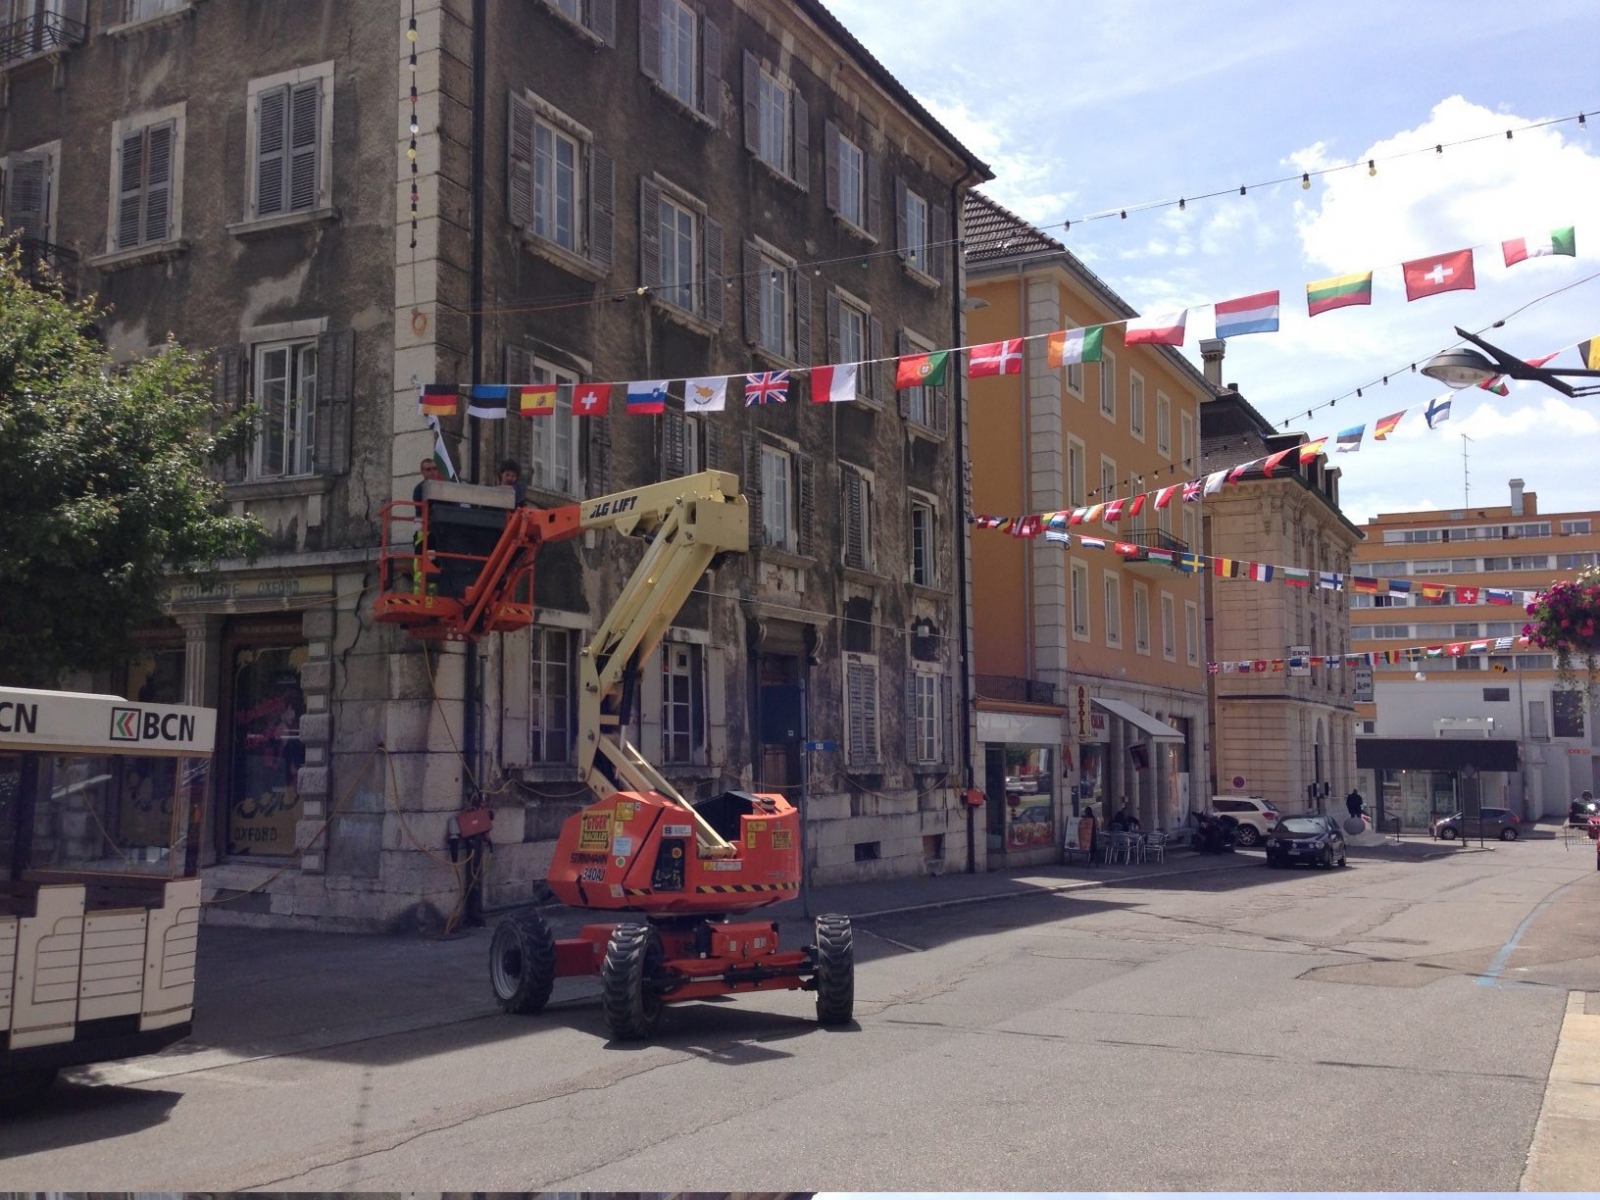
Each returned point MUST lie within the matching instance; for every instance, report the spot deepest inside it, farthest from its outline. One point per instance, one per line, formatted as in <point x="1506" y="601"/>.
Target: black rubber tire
<point x="836" y="970"/>
<point x="1448" y="833"/>
<point x="1246" y="835"/>
<point x="1273" y="862"/>
<point x="1327" y="859"/>
<point x="1344" y="861"/>
<point x="522" y="963"/>
<point x="1508" y="834"/>
<point x="630" y="982"/>
<point x="24" y="1090"/>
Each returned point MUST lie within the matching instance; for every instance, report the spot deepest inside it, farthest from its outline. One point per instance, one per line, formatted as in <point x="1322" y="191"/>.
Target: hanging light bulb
<point x="411" y="30"/>
<point x="414" y="126"/>
<point x="1372" y="166"/>
<point x="1241" y="189"/>
<point x="1508" y="135"/>
<point x="1581" y="121"/>
<point x="1305" y="179"/>
<point x="1124" y="214"/>
<point x="1181" y="204"/>
<point x="1439" y="149"/>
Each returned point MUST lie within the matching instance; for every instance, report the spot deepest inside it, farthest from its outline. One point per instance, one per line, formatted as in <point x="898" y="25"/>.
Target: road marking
<point x="1561" y="1155"/>
<point x="890" y="940"/>
<point x="1491" y="977"/>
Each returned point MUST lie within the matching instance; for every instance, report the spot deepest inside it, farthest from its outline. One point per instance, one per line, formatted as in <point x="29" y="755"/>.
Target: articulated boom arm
<point x="689" y="521"/>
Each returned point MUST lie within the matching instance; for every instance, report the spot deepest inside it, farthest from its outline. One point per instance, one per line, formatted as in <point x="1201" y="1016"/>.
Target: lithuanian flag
<point x="1341" y="291"/>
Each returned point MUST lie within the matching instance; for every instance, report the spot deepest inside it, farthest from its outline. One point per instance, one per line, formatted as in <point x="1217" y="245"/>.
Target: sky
<point x="1088" y="109"/>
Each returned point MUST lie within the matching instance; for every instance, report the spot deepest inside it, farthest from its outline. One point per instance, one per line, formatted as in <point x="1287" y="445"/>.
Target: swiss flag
<point x="591" y="399"/>
<point x="1466" y="595"/>
<point x="995" y="358"/>
<point x="1442" y="273"/>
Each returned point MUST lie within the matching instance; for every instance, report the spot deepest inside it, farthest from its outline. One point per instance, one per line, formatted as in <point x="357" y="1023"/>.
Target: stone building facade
<point x="592" y="192"/>
<point x="1287" y="736"/>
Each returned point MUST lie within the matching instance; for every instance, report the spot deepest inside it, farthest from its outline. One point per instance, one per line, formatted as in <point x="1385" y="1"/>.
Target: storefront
<point x="1023" y="777"/>
<point x="1420" y="779"/>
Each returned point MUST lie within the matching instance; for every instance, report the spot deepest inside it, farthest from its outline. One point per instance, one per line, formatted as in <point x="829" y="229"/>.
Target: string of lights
<point x="411" y="150"/>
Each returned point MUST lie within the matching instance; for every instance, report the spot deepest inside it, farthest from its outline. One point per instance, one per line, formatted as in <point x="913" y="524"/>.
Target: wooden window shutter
<point x="939" y="241"/>
<point x="230" y="390"/>
<point x="714" y="452"/>
<point x="855" y="544"/>
<point x="947" y="722"/>
<point x="879" y="380"/>
<point x="714" y="284"/>
<point x="603" y="20"/>
<point x="802" y="315"/>
<point x="752" y="487"/>
<point x="912" y="695"/>
<point x="602" y="206"/>
<point x="710" y="105"/>
<point x="130" y="190"/>
<point x="305" y="149"/>
<point x="516" y="652"/>
<point x="519" y="436"/>
<point x="272" y="118"/>
<point x="599" y="429"/>
<point x="336" y="391"/>
<point x="27" y="211"/>
<point x="752" y="293"/>
<point x="650" y="38"/>
<point x="752" y="103"/>
<point x="902" y="348"/>
<point x="874" y="195"/>
<point x="830" y="321"/>
<point x="806" y="490"/>
<point x="519" y="162"/>
<point x="941" y="401"/>
<point x="674" y="431"/>
<point x="158" y="182"/>
<point x="649" y="229"/>
<point x="830" y="165"/>
<point x="900" y="217"/>
<point x="800" y="169"/>
<point x="855" y="715"/>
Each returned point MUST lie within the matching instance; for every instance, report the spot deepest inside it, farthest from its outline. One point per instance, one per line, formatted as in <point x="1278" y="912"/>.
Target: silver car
<point x="1493" y="822"/>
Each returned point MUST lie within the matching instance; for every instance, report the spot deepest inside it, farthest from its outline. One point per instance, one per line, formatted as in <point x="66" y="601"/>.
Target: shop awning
<point x="1158" y="730"/>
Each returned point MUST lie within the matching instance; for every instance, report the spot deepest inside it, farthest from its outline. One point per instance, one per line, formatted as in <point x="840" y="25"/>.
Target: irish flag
<point x="833" y="385"/>
<point x="1162" y="329"/>
<point x="1339" y="291"/>
<point x="1557" y="241"/>
<point x="1070" y="346"/>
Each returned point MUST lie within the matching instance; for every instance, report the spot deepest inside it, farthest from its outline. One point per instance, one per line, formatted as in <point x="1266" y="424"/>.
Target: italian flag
<point x="833" y="385"/>
<point x="1557" y="241"/>
<point x="920" y="370"/>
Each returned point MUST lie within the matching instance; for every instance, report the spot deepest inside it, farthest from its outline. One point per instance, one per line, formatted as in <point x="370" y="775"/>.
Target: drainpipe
<point x="470" y="698"/>
<point x="1027" y="482"/>
<point x="958" y="276"/>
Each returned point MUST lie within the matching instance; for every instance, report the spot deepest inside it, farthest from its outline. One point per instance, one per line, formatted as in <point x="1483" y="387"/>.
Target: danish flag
<point x="996" y="358"/>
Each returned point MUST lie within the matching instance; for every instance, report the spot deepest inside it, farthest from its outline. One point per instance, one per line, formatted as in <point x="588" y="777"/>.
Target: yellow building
<point x="1090" y="665"/>
<point x="1527" y="739"/>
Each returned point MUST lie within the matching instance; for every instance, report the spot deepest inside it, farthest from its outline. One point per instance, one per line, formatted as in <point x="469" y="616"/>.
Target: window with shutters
<point x="1108" y="385"/>
<point x="776" y="122"/>
<point x="147" y="10"/>
<point x="777" y="498"/>
<point x="551" y="707"/>
<point x="1074" y="378"/>
<point x="1191" y="535"/>
<point x="1186" y="441"/>
<point x="678" y="39"/>
<point x="852" y="183"/>
<point x="1077" y="473"/>
<point x="683" y="703"/>
<point x="1113" y="601"/>
<point x="1191" y="632"/>
<point x="776" y="289"/>
<point x="679" y="256"/>
<point x="1169" y="627"/>
<point x="290" y="135"/>
<point x="1163" y="425"/>
<point x="597" y="19"/>
<point x="1108" y="482"/>
<point x="1141" y="619"/>
<point x="547" y="446"/>
<point x="914" y="218"/>
<point x="680" y="252"/>
<point x="856" y="504"/>
<point x="919" y="403"/>
<point x="285" y="390"/>
<point x="861" y="710"/>
<point x="1136" y="404"/>
<point x="561" y="187"/>
<point x="1079" y="577"/>
<point x="923" y="572"/>
<point x="680" y="51"/>
<point x="144" y="190"/>
<point x="774" y="139"/>
<point x="28" y="189"/>
<point x="925" y="736"/>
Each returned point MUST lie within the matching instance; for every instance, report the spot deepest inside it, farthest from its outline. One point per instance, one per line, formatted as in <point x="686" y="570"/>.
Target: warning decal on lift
<point x="782" y="839"/>
<point x="595" y="832"/>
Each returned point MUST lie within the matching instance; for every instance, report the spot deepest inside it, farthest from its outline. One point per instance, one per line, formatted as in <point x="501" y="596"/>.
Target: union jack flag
<point x="1191" y="490"/>
<point x="766" y="387"/>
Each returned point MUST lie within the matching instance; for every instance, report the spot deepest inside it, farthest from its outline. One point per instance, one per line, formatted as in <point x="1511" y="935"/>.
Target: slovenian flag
<point x="1161" y="329"/>
<point x="1557" y="241"/>
<point x="1248" y="314"/>
<point x="833" y="385"/>
<point x="647" y="397"/>
<point x="1497" y="595"/>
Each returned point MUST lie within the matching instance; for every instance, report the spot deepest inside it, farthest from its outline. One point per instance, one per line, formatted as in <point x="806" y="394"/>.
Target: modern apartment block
<point x="1091" y="685"/>
<point x="351" y="200"/>
<point x="1504" y="719"/>
<point x="1286" y="735"/>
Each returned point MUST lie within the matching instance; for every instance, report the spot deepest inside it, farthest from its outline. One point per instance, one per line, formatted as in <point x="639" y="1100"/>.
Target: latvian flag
<point x="1557" y="241"/>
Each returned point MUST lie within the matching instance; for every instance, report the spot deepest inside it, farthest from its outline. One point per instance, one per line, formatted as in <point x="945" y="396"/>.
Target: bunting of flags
<point x="1367" y="658"/>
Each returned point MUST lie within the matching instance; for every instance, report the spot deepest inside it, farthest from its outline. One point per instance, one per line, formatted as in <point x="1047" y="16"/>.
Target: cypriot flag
<point x="706" y="395"/>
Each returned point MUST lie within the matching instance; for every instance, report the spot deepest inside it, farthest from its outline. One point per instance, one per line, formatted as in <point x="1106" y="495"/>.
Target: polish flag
<point x="1162" y="329"/>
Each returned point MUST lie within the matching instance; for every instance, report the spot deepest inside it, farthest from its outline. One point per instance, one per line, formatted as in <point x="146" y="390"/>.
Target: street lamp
<point x="1463" y="368"/>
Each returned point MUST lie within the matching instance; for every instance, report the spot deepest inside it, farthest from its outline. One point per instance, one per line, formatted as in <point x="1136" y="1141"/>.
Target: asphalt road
<point x="1389" y="1026"/>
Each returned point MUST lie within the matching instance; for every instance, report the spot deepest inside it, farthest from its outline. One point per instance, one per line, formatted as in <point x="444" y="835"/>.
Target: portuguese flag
<point x="1341" y="291"/>
<point x="1557" y="241"/>
<point x="920" y="370"/>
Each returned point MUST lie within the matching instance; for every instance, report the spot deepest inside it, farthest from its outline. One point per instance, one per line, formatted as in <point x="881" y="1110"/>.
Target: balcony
<point x="41" y="33"/>
<point x="1015" y="690"/>
<point x="39" y="261"/>
<point x="1153" y="539"/>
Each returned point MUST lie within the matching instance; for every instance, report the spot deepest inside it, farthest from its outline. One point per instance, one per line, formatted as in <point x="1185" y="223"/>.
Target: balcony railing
<point x="39" y="260"/>
<point x="41" y="33"/>
<point x="1016" y="690"/>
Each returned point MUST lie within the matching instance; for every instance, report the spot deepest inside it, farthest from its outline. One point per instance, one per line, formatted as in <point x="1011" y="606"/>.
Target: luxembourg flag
<point x="833" y="385"/>
<point x="1248" y="314"/>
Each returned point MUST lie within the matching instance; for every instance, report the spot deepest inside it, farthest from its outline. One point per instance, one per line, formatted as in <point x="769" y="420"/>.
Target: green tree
<point x="104" y="490"/>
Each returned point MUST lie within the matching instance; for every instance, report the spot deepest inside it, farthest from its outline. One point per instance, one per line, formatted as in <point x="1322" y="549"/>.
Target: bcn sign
<point x="102" y="724"/>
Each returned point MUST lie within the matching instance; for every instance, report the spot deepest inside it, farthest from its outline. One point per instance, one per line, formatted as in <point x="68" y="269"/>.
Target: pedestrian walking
<point x="1355" y="803"/>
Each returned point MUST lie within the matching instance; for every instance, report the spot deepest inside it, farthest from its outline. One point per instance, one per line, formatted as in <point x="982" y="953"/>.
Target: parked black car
<point x="1314" y="840"/>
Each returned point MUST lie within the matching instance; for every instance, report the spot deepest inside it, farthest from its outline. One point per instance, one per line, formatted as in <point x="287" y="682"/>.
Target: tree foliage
<point x="104" y="491"/>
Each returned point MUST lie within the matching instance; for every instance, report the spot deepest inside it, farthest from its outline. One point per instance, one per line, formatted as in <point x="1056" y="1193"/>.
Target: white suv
<point x="1256" y="816"/>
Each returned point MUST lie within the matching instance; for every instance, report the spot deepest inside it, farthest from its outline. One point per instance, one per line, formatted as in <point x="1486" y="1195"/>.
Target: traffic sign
<point x="811" y="746"/>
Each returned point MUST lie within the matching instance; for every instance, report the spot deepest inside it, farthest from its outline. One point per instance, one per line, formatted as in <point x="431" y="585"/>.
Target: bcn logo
<point x="132" y="725"/>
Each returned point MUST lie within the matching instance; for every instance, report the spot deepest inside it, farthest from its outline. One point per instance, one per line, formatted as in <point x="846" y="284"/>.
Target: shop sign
<point x="277" y="588"/>
<point x="1363" y="684"/>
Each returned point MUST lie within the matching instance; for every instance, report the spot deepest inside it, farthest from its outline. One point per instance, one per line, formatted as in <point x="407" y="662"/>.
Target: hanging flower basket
<point x="1565" y="619"/>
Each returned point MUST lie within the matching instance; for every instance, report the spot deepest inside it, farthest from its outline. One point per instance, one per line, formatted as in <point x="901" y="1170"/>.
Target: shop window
<point x="1566" y="708"/>
<point x="552" y="700"/>
<point x="263" y="797"/>
<point x="683" y="703"/>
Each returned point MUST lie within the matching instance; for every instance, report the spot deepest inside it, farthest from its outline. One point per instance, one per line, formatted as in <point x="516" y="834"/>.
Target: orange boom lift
<point x="459" y="564"/>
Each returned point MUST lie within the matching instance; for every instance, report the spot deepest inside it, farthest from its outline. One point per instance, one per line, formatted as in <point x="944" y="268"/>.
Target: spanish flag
<point x="537" y="400"/>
